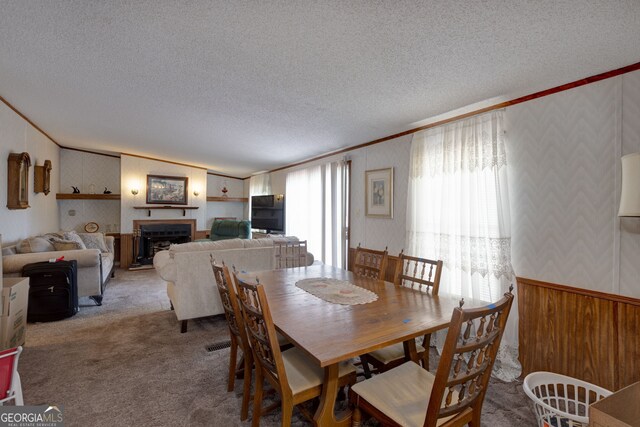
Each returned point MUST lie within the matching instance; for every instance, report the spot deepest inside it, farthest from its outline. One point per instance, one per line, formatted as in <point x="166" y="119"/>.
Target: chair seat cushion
<point x="401" y="393"/>
<point x="392" y="352"/>
<point x="303" y="373"/>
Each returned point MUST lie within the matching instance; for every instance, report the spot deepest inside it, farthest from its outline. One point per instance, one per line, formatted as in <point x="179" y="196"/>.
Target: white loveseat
<point x="94" y="266"/>
<point x="187" y="269"/>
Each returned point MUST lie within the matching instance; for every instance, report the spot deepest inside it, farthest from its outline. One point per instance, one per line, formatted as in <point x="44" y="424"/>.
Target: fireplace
<point x="157" y="235"/>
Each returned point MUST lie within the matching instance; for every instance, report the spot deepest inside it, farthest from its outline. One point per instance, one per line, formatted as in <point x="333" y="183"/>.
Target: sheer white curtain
<point x="260" y="185"/>
<point x="458" y="211"/>
<point x="316" y="206"/>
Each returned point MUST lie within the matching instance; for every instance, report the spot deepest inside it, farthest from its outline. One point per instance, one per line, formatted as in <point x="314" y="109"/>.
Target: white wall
<point x="224" y="209"/>
<point x="134" y="171"/>
<point x="80" y="169"/>
<point x="375" y="233"/>
<point x="17" y="136"/>
<point x="564" y="154"/>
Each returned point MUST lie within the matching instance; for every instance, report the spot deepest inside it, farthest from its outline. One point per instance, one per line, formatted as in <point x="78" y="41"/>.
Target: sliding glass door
<point x="317" y="210"/>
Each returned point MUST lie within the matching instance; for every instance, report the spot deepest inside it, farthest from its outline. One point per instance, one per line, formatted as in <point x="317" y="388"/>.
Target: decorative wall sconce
<point x="196" y="193"/>
<point x="630" y="193"/>
<point x="42" y="178"/>
<point x="134" y="191"/>
<point x="18" y="180"/>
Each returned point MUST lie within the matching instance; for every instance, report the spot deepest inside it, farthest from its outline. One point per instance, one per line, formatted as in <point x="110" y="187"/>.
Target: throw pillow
<point x="65" y="245"/>
<point x="94" y="241"/>
<point x="34" y="244"/>
<point x="73" y="236"/>
<point x="50" y="236"/>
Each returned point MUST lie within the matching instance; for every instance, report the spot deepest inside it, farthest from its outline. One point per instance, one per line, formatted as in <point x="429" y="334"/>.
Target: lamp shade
<point x="630" y="195"/>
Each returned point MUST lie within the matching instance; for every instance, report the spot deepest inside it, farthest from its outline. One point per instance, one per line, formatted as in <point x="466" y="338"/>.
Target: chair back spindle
<point x="467" y="359"/>
<point x="418" y="273"/>
<point x="238" y="334"/>
<point x="370" y="263"/>
<point x="261" y="331"/>
<point x="290" y="254"/>
<point x="230" y="304"/>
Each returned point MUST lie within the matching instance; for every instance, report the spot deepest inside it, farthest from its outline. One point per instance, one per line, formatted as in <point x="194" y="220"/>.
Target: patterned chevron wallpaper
<point x="630" y="227"/>
<point x="564" y="154"/>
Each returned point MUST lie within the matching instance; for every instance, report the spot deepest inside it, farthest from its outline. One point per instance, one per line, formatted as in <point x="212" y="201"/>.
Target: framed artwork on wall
<point x="167" y="190"/>
<point x="18" y="180"/>
<point x="379" y="193"/>
<point x="42" y="178"/>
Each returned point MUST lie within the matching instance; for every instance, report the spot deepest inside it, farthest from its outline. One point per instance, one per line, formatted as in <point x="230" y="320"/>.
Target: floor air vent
<point x="218" y="346"/>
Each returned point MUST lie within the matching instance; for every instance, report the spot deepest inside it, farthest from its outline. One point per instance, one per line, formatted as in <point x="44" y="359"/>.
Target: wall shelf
<point x="82" y="196"/>
<point x="227" y="199"/>
<point x="182" y="208"/>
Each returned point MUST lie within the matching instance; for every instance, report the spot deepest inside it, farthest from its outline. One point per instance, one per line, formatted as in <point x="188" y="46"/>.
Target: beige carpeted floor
<point x="127" y="364"/>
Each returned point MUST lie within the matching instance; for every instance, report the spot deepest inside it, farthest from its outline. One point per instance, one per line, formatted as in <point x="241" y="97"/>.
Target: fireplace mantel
<point x="182" y="208"/>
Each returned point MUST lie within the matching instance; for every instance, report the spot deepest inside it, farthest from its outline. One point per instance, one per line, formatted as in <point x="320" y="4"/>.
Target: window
<point x="317" y="210"/>
<point x="458" y="211"/>
<point x="458" y="205"/>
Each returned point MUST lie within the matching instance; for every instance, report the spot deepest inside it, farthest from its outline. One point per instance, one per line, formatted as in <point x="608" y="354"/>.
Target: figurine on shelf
<point x="224" y="188"/>
<point x="76" y="190"/>
<point x="106" y="191"/>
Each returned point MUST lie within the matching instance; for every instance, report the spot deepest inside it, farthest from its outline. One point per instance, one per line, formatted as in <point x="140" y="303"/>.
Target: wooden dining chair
<point x="238" y="335"/>
<point x="290" y="254"/>
<point x="370" y="263"/>
<point x="416" y="273"/>
<point x="411" y="396"/>
<point x="291" y="373"/>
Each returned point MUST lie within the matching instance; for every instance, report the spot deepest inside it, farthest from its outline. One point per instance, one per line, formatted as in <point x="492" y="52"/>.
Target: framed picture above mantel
<point x="167" y="190"/>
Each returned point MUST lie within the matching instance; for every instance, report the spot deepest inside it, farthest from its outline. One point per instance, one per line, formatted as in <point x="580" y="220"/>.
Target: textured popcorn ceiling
<point x="241" y="86"/>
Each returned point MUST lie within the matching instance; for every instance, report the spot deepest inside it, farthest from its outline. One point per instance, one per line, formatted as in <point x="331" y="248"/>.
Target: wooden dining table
<point x="330" y="333"/>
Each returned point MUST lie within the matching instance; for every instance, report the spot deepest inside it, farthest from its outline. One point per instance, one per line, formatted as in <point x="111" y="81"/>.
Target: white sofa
<point x="190" y="282"/>
<point x="94" y="267"/>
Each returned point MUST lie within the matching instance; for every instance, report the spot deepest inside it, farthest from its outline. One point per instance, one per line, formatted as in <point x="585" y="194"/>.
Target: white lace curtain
<point x="458" y="211"/>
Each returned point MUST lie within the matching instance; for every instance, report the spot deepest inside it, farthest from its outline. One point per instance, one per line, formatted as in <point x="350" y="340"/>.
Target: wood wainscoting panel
<point x="202" y="234"/>
<point x="584" y="334"/>
<point x="628" y="366"/>
<point x="126" y="249"/>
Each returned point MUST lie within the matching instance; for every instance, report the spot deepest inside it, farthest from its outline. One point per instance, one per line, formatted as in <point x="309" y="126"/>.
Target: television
<point x="267" y="213"/>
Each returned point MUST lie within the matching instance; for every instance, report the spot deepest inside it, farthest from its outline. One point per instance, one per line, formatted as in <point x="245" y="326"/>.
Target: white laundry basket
<point x="561" y="401"/>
